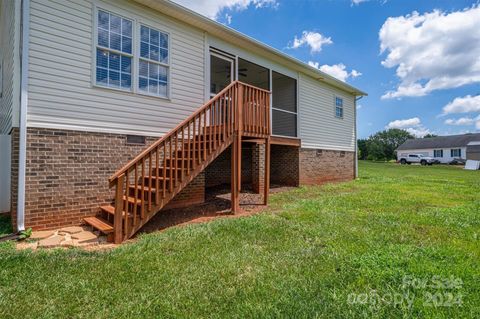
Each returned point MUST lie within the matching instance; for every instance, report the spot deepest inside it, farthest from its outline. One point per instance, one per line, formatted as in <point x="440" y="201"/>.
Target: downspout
<point x="25" y="25"/>
<point x="356" y="137"/>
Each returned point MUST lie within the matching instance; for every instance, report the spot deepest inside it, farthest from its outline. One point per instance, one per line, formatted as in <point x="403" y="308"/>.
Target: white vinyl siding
<point x="62" y="71"/>
<point x="319" y="127"/>
<point x="10" y="59"/>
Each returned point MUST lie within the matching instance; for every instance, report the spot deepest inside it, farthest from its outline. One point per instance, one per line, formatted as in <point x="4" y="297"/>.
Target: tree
<point x="382" y="145"/>
<point x="362" y="149"/>
<point x="429" y="135"/>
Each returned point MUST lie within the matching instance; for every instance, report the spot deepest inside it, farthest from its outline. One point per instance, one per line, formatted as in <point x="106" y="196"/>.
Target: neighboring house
<point x="473" y="151"/>
<point x="442" y="148"/>
<point x="88" y="85"/>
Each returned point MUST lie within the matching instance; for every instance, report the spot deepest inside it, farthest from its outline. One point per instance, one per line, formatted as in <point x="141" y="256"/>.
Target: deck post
<point x="234" y="177"/>
<point x="117" y="219"/>
<point x="266" y="183"/>
<point x="236" y="170"/>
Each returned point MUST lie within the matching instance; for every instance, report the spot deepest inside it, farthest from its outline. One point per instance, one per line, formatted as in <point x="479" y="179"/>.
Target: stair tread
<point x="145" y="188"/>
<point x="100" y="224"/>
<point x="110" y="209"/>
<point x="132" y="199"/>
<point x="159" y="177"/>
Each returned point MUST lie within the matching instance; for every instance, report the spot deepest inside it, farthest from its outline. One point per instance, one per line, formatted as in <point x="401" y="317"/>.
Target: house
<point x="443" y="148"/>
<point x="115" y="109"/>
<point x="473" y="151"/>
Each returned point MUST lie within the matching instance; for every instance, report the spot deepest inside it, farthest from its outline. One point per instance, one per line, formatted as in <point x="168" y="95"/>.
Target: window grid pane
<point x="338" y="111"/>
<point x="114" y="32"/>
<point x="113" y="70"/>
<point x="153" y="78"/>
<point x="339" y="101"/>
<point x="153" y="45"/>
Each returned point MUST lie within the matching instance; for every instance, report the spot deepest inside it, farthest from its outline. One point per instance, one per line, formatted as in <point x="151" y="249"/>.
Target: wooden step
<point x="179" y="162"/>
<point x="198" y="144"/>
<point x="160" y="181"/>
<point x="167" y="170"/>
<point x="109" y="209"/>
<point x="131" y="200"/>
<point x="146" y="188"/>
<point x="100" y="224"/>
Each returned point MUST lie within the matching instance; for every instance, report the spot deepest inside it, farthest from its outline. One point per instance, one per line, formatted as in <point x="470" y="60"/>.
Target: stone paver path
<point x="73" y="236"/>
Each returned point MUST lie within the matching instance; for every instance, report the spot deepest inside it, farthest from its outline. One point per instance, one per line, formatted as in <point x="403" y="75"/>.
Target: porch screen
<point x="284" y="106"/>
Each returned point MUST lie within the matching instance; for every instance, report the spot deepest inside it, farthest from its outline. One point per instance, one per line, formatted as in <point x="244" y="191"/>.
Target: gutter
<point x="25" y="27"/>
<point x="356" y="138"/>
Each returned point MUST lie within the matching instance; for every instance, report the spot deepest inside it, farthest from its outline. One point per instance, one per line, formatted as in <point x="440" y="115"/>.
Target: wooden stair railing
<point x="153" y="178"/>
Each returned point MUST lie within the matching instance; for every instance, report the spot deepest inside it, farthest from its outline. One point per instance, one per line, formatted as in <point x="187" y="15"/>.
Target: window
<point x="438" y="153"/>
<point x="413" y="155"/>
<point x="338" y="107"/>
<point x="153" y="62"/>
<point x="114" y="51"/>
<point x="455" y="152"/>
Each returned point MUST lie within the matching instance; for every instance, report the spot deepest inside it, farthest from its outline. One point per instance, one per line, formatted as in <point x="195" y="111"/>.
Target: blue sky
<point x="426" y="80"/>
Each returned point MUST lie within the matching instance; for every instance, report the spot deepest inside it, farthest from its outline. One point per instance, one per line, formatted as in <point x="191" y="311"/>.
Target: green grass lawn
<point x="342" y="250"/>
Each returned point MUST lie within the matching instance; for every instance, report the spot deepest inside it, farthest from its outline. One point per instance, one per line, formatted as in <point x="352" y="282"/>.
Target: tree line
<point x="381" y="146"/>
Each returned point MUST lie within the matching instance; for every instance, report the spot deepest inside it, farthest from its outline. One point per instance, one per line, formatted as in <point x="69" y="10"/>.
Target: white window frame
<point x="456" y="149"/>
<point x="335" y="97"/>
<point x="97" y="46"/>
<point x="435" y="153"/>
<point x="136" y="23"/>
<point x="138" y="58"/>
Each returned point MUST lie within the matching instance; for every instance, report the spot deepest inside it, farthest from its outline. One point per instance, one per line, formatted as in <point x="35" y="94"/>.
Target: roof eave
<point x="224" y="32"/>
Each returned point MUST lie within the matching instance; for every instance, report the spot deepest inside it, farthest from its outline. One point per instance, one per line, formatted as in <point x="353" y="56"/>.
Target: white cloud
<point x="336" y="70"/>
<point x="357" y="2"/>
<point x="463" y="121"/>
<point x="464" y="104"/>
<point x="413" y="126"/>
<point x="228" y="18"/>
<point x="312" y="39"/>
<point x="212" y="8"/>
<point x="404" y="123"/>
<point x="359" y="106"/>
<point x="432" y="51"/>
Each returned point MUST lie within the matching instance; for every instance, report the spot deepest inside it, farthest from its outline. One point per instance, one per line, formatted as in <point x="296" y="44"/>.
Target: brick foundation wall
<point x="284" y="165"/>
<point x="67" y="175"/>
<point x="321" y="166"/>
<point x="194" y="193"/>
<point x="258" y="167"/>
<point x="219" y="171"/>
<point x="15" y="140"/>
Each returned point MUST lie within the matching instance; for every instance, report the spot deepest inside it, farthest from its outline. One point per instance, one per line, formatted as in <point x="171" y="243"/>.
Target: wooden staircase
<point x="152" y="179"/>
